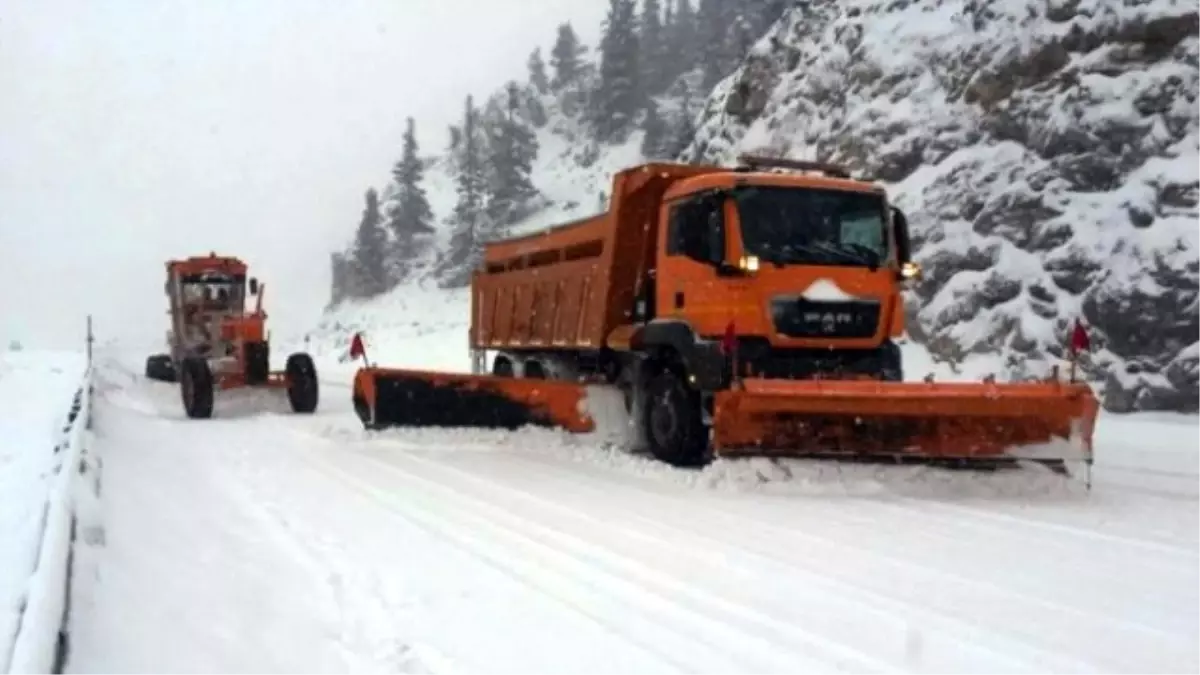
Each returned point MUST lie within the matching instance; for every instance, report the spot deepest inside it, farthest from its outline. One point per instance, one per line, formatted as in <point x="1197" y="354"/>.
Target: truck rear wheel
<point x="533" y="370"/>
<point x="674" y="427"/>
<point x="502" y="366"/>
<point x="196" y="387"/>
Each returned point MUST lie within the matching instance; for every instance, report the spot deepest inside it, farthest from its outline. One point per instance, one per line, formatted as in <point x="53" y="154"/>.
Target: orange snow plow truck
<point x="744" y="310"/>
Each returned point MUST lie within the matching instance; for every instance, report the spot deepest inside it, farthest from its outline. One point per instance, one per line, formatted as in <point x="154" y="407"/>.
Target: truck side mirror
<point x="908" y="270"/>
<point x="715" y="233"/>
<point x="253" y="286"/>
<point x="733" y="261"/>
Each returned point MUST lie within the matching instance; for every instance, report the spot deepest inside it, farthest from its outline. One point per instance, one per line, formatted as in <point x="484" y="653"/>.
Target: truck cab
<point x="803" y="271"/>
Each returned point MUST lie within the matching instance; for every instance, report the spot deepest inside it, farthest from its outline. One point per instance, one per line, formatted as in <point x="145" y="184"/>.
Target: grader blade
<point x="1043" y="421"/>
<point x="386" y="397"/>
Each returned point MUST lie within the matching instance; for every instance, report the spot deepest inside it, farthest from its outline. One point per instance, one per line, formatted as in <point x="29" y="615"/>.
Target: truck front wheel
<point x="674" y="428"/>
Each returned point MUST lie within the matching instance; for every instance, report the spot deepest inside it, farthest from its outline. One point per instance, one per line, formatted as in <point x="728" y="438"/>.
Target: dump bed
<point x="568" y="287"/>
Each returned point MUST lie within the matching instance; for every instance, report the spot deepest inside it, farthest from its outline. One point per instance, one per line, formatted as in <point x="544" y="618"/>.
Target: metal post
<point x="90" y="339"/>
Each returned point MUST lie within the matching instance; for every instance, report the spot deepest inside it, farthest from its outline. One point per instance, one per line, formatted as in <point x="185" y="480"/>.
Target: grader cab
<point x="216" y="344"/>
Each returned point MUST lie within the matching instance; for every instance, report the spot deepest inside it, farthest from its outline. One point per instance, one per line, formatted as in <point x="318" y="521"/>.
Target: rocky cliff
<point x="1045" y="150"/>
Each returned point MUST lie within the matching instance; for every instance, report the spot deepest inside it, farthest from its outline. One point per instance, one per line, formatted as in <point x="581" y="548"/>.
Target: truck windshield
<point x="803" y="226"/>
<point x="219" y="294"/>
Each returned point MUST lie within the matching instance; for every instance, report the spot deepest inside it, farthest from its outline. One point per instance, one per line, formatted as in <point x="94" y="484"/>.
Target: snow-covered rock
<point x="1046" y="151"/>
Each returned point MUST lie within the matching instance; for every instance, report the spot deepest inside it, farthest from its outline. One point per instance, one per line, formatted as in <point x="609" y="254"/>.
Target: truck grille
<point x="800" y="318"/>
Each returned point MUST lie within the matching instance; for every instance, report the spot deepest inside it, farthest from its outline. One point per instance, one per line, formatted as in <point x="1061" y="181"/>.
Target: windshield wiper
<point x="867" y="255"/>
<point x="824" y="252"/>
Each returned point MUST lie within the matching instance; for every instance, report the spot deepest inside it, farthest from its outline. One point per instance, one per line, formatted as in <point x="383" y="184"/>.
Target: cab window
<point x="696" y="230"/>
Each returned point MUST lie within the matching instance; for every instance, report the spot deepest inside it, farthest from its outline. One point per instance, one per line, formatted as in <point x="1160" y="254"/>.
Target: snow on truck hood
<point x="826" y="290"/>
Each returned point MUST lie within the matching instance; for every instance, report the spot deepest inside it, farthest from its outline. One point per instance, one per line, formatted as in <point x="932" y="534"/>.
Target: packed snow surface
<point x="37" y="389"/>
<point x="263" y="541"/>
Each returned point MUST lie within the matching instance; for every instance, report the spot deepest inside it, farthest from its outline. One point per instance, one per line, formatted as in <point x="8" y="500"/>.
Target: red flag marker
<point x="357" y="348"/>
<point x="1080" y="341"/>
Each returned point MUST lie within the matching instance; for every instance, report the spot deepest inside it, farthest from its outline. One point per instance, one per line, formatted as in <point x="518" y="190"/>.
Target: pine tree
<point x="339" y="282"/>
<point x="513" y="149"/>
<point x="654" y="127"/>
<point x="619" y="94"/>
<point x="683" y="131"/>
<point x="370" y="246"/>
<point x="652" y="48"/>
<point x="566" y="57"/>
<point x="683" y="39"/>
<point x="535" y="111"/>
<point x="537" y="72"/>
<point x="669" y="68"/>
<point x="468" y="219"/>
<point x="718" y="32"/>
<point x="410" y="217"/>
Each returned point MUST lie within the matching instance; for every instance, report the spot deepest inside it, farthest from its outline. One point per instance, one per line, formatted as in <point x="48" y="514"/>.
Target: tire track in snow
<point x="1038" y="604"/>
<point x="343" y="583"/>
<point x="874" y="613"/>
<point x="544" y="543"/>
<point x="335" y="584"/>
<point x="530" y="575"/>
<point x="1007" y="522"/>
<point x="918" y="511"/>
<point x="988" y="595"/>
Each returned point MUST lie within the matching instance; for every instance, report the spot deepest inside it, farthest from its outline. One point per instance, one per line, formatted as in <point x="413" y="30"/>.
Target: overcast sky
<point x="132" y="131"/>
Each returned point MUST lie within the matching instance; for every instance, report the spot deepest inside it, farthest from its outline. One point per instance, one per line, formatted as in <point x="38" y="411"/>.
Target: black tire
<point x="302" y="388"/>
<point x="196" y="388"/>
<point x="502" y="366"/>
<point x="159" y="367"/>
<point x="673" y="424"/>
<point x="533" y="370"/>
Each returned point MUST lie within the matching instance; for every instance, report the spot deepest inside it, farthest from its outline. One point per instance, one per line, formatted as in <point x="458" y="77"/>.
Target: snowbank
<point x="43" y="396"/>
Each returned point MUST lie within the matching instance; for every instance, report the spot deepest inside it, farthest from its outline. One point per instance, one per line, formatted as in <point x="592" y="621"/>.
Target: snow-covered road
<point x="261" y="541"/>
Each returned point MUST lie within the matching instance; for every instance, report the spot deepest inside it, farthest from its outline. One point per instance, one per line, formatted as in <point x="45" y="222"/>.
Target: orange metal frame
<point x="247" y="327"/>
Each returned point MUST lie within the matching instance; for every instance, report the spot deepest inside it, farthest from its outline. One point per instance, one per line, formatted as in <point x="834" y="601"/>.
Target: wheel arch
<point x="674" y="343"/>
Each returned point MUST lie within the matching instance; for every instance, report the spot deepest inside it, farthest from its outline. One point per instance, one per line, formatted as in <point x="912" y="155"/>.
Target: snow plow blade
<point x="971" y="421"/>
<point x="385" y="397"/>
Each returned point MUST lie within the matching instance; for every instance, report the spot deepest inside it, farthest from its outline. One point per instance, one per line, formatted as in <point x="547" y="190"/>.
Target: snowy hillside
<point x="1046" y="153"/>
<point x="420" y="324"/>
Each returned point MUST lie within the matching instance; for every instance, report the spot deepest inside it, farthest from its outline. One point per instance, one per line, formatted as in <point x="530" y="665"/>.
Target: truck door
<point x="688" y="287"/>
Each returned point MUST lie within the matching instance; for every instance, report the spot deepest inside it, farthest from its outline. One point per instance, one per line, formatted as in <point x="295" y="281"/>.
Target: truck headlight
<point x="910" y="270"/>
<point x="748" y="263"/>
